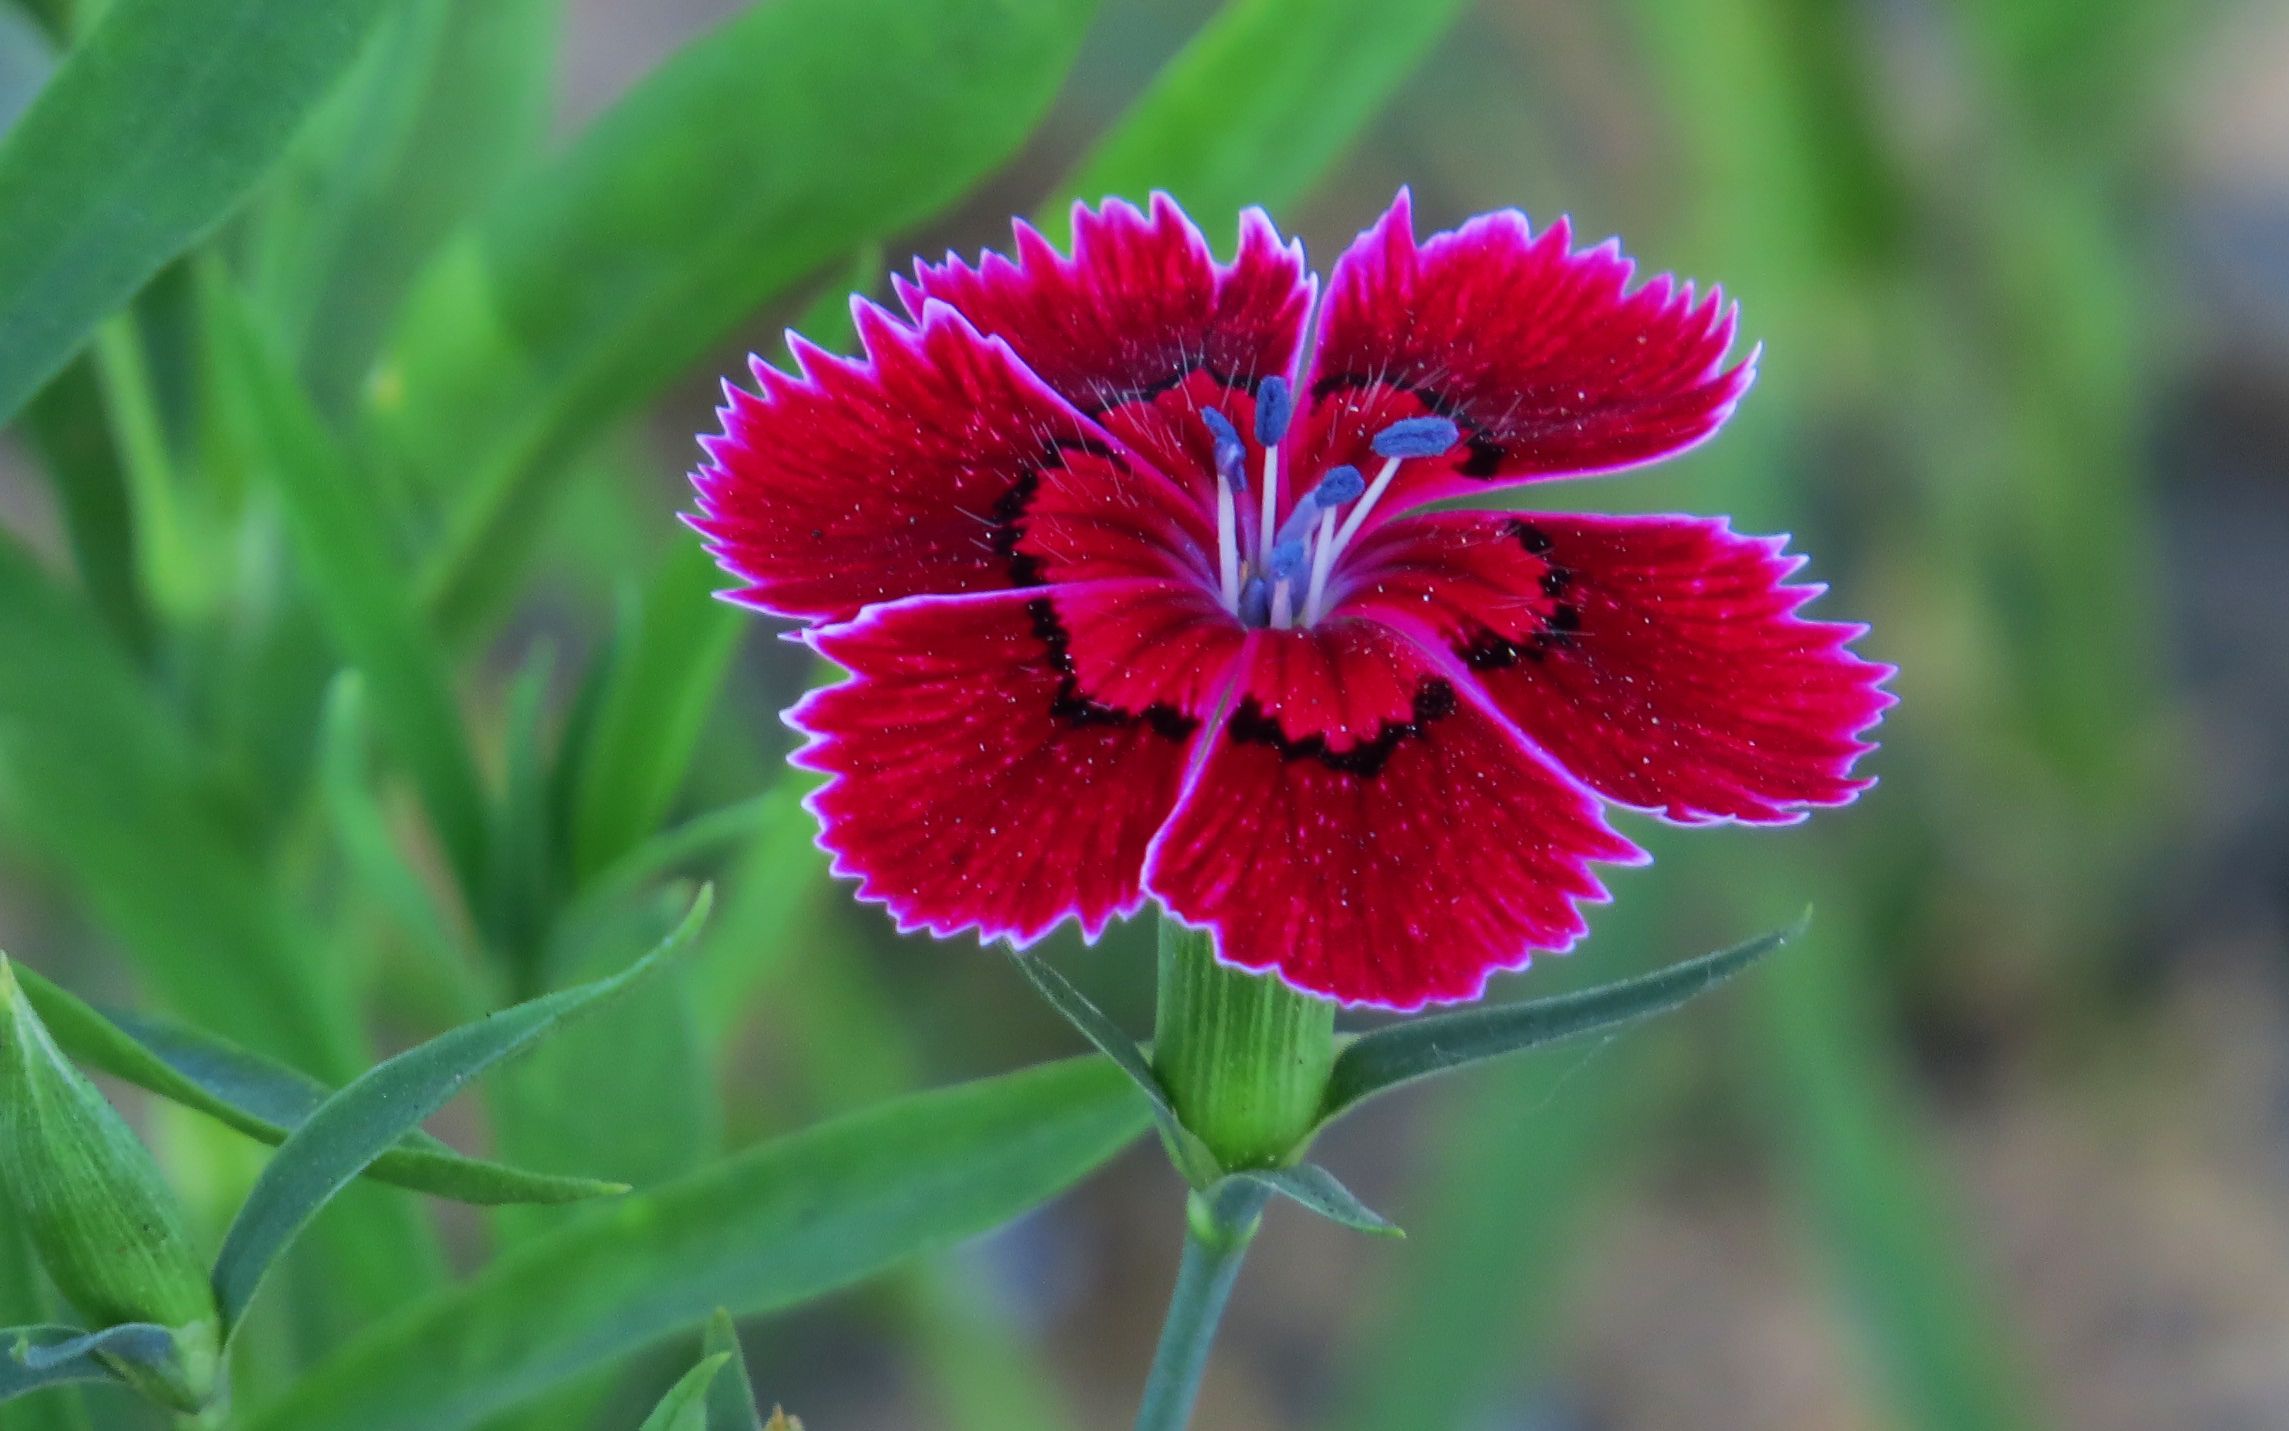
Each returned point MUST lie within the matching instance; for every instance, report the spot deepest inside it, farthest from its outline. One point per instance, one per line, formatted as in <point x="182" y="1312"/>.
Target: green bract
<point x="103" y="1222"/>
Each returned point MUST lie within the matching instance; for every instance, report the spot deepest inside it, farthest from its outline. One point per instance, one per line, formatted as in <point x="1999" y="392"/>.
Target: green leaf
<point x="684" y="1408"/>
<point x="98" y="776"/>
<point x="147" y="136"/>
<point x="64" y="1356"/>
<point x="267" y="1101"/>
<point x="375" y="859"/>
<point x="1194" y="1161"/>
<point x="1417" y="1048"/>
<point x="340" y="536"/>
<point x="523" y="852"/>
<point x="26" y="59"/>
<point x="663" y="682"/>
<point x="1905" y="1254"/>
<point x="705" y="192"/>
<point x="25" y="1307"/>
<point x="1316" y="1188"/>
<point x="357" y="1125"/>
<point x="448" y="102"/>
<point x="780" y="1224"/>
<point x="1261" y="102"/>
<point x="635" y="1098"/>
<point x="731" y="1402"/>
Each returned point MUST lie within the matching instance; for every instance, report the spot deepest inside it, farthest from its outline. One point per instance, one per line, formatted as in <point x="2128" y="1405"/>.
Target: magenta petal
<point x="903" y="474"/>
<point x="1364" y="827"/>
<point x="1543" y="355"/>
<point x="974" y="785"/>
<point x="1141" y="327"/>
<point x="1661" y="660"/>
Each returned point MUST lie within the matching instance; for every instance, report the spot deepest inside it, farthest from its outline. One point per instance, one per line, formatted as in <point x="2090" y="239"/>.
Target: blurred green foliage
<point x="357" y="679"/>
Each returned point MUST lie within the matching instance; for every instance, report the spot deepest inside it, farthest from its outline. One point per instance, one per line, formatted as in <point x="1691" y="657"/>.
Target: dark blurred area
<point x="2005" y="1140"/>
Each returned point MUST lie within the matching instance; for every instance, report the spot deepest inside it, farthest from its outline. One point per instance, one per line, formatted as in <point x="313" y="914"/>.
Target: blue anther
<point x="1256" y="602"/>
<point x="1275" y="406"/>
<point x="1340" y="485"/>
<point x="1416" y="437"/>
<point x="1289" y="560"/>
<point x="1231" y="454"/>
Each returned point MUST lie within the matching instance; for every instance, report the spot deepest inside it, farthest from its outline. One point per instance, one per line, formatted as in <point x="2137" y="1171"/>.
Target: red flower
<point x="1130" y="608"/>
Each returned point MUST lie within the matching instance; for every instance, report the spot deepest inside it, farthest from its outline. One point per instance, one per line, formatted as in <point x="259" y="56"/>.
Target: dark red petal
<point x="1366" y="828"/>
<point x="1101" y="515"/>
<point x="975" y="786"/>
<point x="1141" y="327"/>
<point x="1543" y="355"/>
<point x="1659" y="659"/>
<point x="905" y="473"/>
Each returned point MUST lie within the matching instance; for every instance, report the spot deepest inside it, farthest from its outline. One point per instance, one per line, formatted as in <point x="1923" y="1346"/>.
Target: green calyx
<point x="96" y="1210"/>
<point x="1245" y="1057"/>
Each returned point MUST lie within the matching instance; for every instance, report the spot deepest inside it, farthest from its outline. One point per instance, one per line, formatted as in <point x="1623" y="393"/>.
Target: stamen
<point x="1266" y="538"/>
<point x="1411" y="437"/>
<point x="1283" y="606"/>
<point x="1256" y="602"/>
<point x="1288" y="560"/>
<point x="1340" y="485"/>
<point x="1322" y="562"/>
<point x="1416" y="437"/>
<point x="1231" y="453"/>
<point x="1228" y="544"/>
<point x="1275" y="407"/>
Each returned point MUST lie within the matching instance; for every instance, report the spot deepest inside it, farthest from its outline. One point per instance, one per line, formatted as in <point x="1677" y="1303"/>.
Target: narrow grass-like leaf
<point x="99" y="776"/>
<point x="360" y="1123"/>
<point x="375" y="858"/>
<point x="1260" y="102"/>
<point x="684" y="1408"/>
<point x="448" y="103"/>
<point x="146" y="137"/>
<point x="267" y="1101"/>
<point x="655" y="701"/>
<point x="1905" y="1257"/>
<point x="1193" y="1159"/>
<point x="1317" y="1189"/>
<point x="782" y="1223"/>
<point x="1417" y="1048"/>
<point x="731" y="1402"/>
<point x="340" y="535"/>
<point x="130" y="1341"/>
<point x="25" y="1306"/>
<point x="26" y="58"/>
<point x="64" y="1356"/>
<point x="706" y="191"/>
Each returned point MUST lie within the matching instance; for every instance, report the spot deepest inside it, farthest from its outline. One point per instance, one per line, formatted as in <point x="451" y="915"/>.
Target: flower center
<point x="1274" y="573"/>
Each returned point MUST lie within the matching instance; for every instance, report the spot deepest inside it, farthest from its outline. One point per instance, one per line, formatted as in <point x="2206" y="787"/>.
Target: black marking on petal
<point x="1006" y="518"/>
<point x="1107" y="398"/>
<point x="1074" y="707"/>
<point x="1485" y="453"/>
<point x="1531" y="537"/>
<point x="1434" y="701"/>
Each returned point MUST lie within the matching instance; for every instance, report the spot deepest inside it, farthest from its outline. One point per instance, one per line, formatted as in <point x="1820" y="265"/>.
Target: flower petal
<point x="904" y="473"/>
<point x="1661" y="660"/>
<point x="1141" y="327"/>
<point x="1362" y="825"/>
<point x="1543" y="355"/>
<point x="962" y="749"/>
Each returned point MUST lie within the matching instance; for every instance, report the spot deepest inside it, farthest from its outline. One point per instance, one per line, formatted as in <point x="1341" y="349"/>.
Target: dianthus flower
<point x="1141" y="594"/>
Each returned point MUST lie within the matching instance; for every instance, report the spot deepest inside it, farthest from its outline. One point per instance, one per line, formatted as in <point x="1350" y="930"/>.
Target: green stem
<point x="1244" y="1057"/>
<point x="1217" y="1234"/>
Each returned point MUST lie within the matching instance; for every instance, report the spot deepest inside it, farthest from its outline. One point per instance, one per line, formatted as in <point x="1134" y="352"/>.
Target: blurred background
<point x="2003" y="1143"/>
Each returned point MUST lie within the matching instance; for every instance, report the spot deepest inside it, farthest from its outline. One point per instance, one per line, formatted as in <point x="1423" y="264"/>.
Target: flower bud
<point x="94" y="1207"/>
